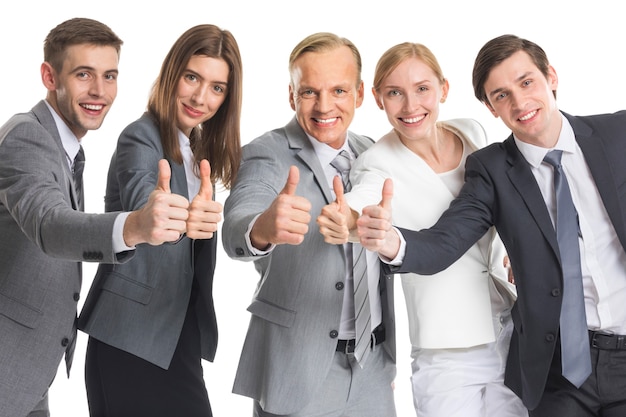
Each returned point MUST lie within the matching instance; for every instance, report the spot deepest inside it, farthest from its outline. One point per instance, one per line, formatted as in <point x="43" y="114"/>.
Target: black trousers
<point x="602" y="395"/>
<point x="123" y="385"/>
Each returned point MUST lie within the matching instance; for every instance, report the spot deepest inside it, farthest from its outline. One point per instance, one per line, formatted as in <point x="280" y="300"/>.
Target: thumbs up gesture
<point x="286" y="220"/>
<point x="374" y="225"/>
<point x="204" y="213"/>
<point x="336" y="219"/>
<point x="162" y="219"/>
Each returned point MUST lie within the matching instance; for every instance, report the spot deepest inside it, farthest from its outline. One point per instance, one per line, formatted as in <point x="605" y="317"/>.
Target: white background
<point x="584" y="41"/>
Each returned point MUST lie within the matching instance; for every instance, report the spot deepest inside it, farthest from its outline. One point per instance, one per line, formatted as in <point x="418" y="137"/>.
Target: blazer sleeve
<point x="468" y="218"/>
<point x="261" y="177"/>
<point x="34" y="188"/>
<point x="134" y="167"/>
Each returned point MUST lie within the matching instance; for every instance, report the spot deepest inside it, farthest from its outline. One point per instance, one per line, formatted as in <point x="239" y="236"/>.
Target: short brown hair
<point x="77" y="31"/>
<point x="217" y="139"/>
<point x="499" y="49"/>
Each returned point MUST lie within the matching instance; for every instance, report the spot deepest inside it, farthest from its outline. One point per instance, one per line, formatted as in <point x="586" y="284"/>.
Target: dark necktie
<point x="362" y="316"/>
<point x="77" y="171"/>
<point x="575" y="355"/>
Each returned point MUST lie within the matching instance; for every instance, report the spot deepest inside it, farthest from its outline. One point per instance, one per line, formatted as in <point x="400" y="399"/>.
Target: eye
<point x="191" y="77"/>
<point x="501" y="96"/>
<point x="422" y="89"/>
<point x="82" y="75"/>
<point x="526" y="83"/>
<point x="219" y="89"/>
<point x="110" y="77"/>
<point x="340" y="91"/>
<point x="307" y="94"/>
<point x="394" y="93"/>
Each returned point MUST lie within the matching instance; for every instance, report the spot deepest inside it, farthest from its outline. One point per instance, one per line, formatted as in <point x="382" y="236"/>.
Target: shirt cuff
<point x="397" y="261"/>
<point x="252" y="249"/>
<point x="118" y="234"/>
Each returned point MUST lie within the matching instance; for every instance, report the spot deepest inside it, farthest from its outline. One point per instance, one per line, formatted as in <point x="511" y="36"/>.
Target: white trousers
<point x="465" y="382"/>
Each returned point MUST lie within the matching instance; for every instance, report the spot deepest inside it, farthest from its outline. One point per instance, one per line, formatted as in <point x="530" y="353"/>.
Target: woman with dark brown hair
<point x="151" y="321"/>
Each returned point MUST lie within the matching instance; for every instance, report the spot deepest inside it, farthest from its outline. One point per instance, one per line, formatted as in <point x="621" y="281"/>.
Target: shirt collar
<point x="327" y="153"/>
<point x="70" y="142"/>
<point x="534" y="154"/>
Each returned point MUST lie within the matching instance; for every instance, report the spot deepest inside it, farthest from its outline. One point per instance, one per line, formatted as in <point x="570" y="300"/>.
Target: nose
<point x="411" y="102"/>
<point x="200" y="93"/>
<point x="323" y="103"/>
<point x="96" y="88"/>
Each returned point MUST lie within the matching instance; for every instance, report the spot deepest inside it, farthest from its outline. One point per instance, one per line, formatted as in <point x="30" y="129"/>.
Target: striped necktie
<point x="362" y="316"/>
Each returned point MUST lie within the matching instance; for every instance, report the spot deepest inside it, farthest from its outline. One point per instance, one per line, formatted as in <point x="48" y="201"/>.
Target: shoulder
<point x="467" y="129"/>
<point x="359" y="143"/>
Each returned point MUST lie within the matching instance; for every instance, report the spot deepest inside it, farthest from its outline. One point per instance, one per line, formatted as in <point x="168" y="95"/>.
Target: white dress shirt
<point x="326" y="154"/>
<point x="71" y="145"/>
<point x="603" y="261"/>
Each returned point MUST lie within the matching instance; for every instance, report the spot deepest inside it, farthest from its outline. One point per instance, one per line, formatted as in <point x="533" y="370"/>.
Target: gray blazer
<point x="140" y="306"/>
<point x="297" y="306"/>
<point x="43" y="240"/>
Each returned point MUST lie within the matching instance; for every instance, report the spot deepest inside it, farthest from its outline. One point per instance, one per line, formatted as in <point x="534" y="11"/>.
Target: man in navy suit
<point x="509" y="185"/>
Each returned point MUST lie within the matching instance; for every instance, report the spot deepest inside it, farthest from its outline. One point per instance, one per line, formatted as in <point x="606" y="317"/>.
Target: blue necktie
<point x="362" y="316"/>
<point x="575" y="355"/>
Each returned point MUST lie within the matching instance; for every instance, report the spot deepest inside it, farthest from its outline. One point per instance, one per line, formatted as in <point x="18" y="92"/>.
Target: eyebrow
<point x="92" y="69"/>
<point x="520" y="78"/>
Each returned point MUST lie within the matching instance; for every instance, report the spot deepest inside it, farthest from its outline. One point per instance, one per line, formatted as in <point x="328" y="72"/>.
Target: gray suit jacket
<point x="43" y="239"/>
<point x="501" y="190"/>
<point x="140" y="306"/>
<point x="297" y="306"/>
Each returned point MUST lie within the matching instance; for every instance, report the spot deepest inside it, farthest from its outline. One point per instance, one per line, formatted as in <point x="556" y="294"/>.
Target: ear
<point x="553" y="79"/>
<point x="292" y="101"/>
<point x="379" y="101"/>
<point x="48" y="76"/>
<point x="360" y="95"/>
<point x="444" y="90"/>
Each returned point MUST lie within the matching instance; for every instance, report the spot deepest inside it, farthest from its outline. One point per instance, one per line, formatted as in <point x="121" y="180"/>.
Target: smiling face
<point x="523" y="98"/>
<point x="84" y="90"/>
<point x="200" y="91"/>
<point x="325" y="91"/>
<point x="410" y="96"/>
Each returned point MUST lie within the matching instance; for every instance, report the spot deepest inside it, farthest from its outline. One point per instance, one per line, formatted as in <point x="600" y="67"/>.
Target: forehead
<point x="412" y="69"/>
<point x="511" y="69"/>
<point x="337" y="66"/>
<point x="215" y="69"/>
<point x="97" y="57"/>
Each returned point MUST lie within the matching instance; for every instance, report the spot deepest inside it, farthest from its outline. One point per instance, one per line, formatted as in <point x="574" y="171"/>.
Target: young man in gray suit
<point x="302" y="355"/>
<point x="45" y="235"/>
<point x="518" y="186"/>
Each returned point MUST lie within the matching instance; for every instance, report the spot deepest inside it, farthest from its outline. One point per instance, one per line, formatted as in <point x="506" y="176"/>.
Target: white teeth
<point x="413" y="119"/>
<point x="93" y="106"/>
<point x="326" y="121"/>
<point x="528" y="116"/>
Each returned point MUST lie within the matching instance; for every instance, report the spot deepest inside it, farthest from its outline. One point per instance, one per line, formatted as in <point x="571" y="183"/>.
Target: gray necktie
<point x="77" y="171"/>
<point x="362" y="316"/>
<point x="575" y="356"/>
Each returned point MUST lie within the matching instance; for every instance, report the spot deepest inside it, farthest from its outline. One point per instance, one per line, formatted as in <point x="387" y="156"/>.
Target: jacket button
<point x="76" y="296"/>
<point x="65" y="342"/>
<point x="549" y="337"/>
<point x="333" y="334"/>
<point x="339" y="286"/>
<point x="556" y="292"/>
<point x="239" y="251"/>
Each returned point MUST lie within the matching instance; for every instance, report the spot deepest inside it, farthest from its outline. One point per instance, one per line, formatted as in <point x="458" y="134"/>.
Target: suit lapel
<point x="597" y="161"/>
<point x="526" y="185"/>
<point x="43" y="115"/>
<point x="299" y="140"/>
